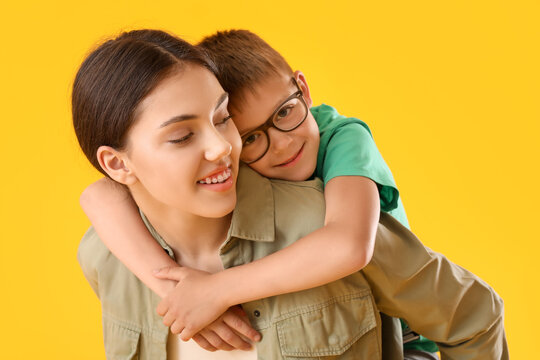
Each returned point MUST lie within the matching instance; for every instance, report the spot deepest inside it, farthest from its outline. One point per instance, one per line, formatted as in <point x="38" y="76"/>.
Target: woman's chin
<point x="221" y="208"/>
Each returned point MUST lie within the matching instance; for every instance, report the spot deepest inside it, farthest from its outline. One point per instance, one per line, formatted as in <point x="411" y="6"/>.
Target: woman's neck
<point x="194" y="239"/>
<point x="195" y="242"/>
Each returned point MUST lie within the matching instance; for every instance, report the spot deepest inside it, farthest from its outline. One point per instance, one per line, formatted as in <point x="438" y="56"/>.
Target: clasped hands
<point x="194" y="310"/>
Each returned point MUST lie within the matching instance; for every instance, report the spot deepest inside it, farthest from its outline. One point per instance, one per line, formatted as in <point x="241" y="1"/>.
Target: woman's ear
<point x="115" y="164"/>
<point x="301" y="80"/>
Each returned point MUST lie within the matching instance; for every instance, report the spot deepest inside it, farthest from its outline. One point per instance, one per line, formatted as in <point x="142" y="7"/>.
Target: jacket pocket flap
<point x="328" y="328"/>
<point x="121" y="342"/>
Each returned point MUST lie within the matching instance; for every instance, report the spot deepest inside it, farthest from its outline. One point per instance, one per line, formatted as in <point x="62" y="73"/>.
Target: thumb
<point x="170" y="273"/>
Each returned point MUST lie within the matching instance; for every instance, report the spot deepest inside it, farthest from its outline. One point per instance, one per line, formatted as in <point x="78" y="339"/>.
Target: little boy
<point x="257" y="77"/>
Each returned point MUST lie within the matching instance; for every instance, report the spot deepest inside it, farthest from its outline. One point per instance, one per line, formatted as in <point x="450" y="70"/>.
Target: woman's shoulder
<point x="249" y="181"/>
<point x="98" y="263"/>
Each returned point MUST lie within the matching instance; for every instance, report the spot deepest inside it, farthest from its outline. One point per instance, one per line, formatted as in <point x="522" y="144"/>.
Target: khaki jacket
<point x="340" y="320"/>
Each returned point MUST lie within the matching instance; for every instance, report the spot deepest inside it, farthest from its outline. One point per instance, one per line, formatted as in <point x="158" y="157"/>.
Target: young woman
<point x="150" y="114"/>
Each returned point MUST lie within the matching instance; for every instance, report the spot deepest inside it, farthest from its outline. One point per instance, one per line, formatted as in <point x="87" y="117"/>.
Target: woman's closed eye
<point x="181" y="140"/>
<point x="224" y="121"/>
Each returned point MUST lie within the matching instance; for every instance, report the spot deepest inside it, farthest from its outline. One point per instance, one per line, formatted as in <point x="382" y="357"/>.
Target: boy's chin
<point x="286" y="174"/>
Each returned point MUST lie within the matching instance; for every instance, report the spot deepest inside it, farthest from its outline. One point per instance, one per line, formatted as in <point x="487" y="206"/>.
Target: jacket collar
<point x="253" y="217"/>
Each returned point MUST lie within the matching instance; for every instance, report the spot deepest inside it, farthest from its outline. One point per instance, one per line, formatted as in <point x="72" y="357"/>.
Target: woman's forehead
<point x="192" y="92"/>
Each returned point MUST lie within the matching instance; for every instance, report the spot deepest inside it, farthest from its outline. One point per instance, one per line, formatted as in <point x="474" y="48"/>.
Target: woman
<point x="149" y="113"/>
<point x="160" y="83"/>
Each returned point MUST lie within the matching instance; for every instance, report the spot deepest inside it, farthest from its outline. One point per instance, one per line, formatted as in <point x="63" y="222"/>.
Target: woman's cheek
<point x="234" y="138"/>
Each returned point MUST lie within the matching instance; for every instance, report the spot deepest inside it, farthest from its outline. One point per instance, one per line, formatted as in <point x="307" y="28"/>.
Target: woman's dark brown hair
<point x="116" y="77"/>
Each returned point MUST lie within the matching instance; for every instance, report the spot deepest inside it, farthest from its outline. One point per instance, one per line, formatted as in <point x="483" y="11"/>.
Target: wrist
<point x="226" y="289"/>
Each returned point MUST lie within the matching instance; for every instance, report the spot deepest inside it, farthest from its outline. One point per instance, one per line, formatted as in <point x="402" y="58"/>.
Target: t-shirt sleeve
<point x="351" y="150"/>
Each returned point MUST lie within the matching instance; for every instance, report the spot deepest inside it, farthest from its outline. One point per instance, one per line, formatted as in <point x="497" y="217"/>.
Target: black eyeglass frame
<point x="269" y="123"/>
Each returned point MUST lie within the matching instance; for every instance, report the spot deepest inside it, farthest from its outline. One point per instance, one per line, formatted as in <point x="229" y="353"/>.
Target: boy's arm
<point x="343" y="246"/>
<point x="438" y="299"/>
<point x="116" y="219"/>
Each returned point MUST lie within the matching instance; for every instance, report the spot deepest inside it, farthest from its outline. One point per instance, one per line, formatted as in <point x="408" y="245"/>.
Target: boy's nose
<point x="279" y="140"/>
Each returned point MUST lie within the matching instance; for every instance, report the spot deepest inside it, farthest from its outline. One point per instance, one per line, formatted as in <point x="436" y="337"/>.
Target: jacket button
<point x="257" y="313"/>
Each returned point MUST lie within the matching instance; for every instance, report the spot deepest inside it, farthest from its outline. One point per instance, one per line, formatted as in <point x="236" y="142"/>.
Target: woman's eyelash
<point x="182" y="139"/>
<point x="227" y="118"/>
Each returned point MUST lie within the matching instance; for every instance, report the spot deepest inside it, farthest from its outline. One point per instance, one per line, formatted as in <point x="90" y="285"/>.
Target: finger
<point x="187" y="333"/>
<point x="202" y="342"/>
<point x="241" y="326"/>
<point x="162" y="307"/>
<point x="168" y="319"/>
<point x="215" y="340"/>
<point x="176" y="328"/>
<point x="229" y="336"/>
<point x="170" y="272"/>
<point x="238" y="310"/>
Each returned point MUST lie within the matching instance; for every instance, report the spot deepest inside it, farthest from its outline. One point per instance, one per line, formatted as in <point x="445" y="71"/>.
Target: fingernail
<point x="258" y="337"/>
<point x="155" y="271"/>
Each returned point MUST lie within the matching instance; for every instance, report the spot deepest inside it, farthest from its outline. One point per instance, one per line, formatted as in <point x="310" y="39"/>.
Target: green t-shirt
<point x="347" y="148"/>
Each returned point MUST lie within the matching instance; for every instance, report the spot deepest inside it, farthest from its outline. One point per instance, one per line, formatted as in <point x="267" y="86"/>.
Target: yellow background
<point x="450" y="90"/>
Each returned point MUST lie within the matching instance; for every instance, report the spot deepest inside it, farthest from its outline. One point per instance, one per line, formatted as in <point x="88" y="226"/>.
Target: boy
<point x="256" y="76"/>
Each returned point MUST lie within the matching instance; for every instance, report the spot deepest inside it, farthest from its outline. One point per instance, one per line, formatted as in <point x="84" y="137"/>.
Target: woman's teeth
<point x="217" y="178"/>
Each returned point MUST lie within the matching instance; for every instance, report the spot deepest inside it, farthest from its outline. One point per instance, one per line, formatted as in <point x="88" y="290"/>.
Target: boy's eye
<point x="251" y="139"/>
<point x="283" y="112"/>
<point x="181" y="140"/>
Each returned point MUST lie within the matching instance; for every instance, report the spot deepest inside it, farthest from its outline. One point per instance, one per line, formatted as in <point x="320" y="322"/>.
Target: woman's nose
<point x="279" y="140"/>
<point x="217" y="147"/>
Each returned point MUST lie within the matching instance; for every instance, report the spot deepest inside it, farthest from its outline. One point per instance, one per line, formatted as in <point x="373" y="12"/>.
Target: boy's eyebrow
<point x="278" y="103"/>
<point x="185" y="117"/>
<point x="221" y="99"/>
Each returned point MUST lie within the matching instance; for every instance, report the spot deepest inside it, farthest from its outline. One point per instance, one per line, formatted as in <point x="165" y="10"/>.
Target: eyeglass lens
<point x="289" y="116"/>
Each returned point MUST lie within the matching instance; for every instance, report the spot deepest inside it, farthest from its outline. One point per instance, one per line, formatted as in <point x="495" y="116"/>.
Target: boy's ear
<point x="115" y="164"/>
<point x="301" y="79"/>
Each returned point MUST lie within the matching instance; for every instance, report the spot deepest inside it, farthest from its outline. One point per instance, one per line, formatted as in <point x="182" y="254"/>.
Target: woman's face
<point x="183" y="148"/>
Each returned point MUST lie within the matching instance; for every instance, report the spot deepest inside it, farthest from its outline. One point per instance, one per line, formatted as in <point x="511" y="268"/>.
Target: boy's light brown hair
<point x="243" y="60"/>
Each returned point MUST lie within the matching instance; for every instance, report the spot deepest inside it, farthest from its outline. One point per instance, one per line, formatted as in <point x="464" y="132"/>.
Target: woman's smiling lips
<point x="293" y="160"/>
<point x="219" y="180"/>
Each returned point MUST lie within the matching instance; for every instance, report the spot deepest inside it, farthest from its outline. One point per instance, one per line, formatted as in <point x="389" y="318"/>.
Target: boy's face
<point x="291" y="155"/>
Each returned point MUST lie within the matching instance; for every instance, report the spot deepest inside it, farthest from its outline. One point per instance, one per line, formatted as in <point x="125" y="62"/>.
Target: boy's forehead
<point x="256" y="103"/>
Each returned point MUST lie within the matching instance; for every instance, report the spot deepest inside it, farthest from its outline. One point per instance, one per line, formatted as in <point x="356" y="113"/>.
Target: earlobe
<point x="301" y="80"/>
<point x="113" y="162"/>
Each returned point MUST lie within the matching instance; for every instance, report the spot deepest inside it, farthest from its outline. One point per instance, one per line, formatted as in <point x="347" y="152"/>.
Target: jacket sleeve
<point x="438" y="299"/>
<point x="89" y="258"/>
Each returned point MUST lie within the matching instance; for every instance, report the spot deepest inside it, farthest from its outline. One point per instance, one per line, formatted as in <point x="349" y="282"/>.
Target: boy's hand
<point x="194" y="305"/>
<point x="231" y="331"/>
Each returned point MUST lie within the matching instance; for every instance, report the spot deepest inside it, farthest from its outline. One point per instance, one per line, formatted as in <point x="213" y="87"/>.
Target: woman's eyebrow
<point x="185" y="117"/>
<point x="177" y="118"/>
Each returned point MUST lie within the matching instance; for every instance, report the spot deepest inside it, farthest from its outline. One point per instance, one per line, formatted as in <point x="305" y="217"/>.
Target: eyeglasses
<point x="287" y="117"/>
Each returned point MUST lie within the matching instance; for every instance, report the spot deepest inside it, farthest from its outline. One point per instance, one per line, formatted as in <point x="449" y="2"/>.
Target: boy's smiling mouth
<point x="293" y="160"/>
